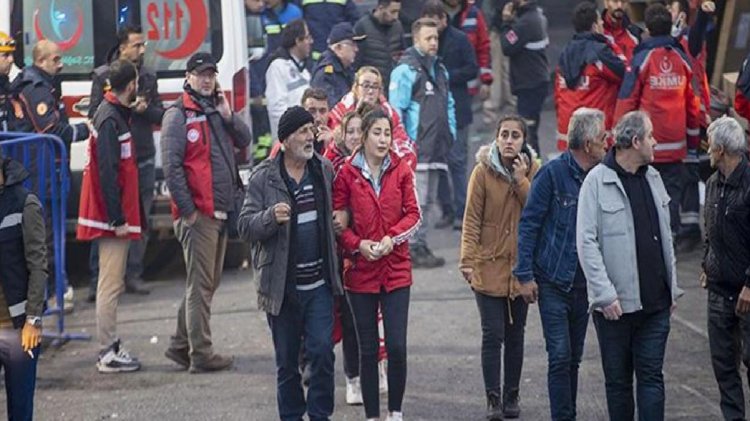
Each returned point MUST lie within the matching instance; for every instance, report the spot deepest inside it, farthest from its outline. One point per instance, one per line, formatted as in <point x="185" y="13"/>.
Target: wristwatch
<point x="34" y="321"/>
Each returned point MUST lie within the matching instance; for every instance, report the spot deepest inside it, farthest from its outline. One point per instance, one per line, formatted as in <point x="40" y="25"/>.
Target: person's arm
<point x="154" y="113"/>
<point x="46" y="118"/>
<point x="452" y="115"/>
<point x="533" y="216"/>
<point x="693" y="114"/>
<point x="322" y="80"/>
<point x="35" y="252"/>
<point x="697" y="34"/>
<point x="351" y="13"/>
<point x="239" y="130"/>
<point x="742" y="90"/>
<point x="473" y="217"/>
<point x="514" y="36"/>
<point x="629" y="98"/>
<point x="601" y="291"/>
<point x="276" y="94"/>
<point x="399" y="91"/>
<point x="97" y="93"/>
<point x="522" y="188"/>
<point x="407" y="226"/>
<point x="173" y="144"/>
<point x="468" y="69"/>
<point x="256" y="223"/>
<point x="484" y="60"/>
<point x="108" y="151"/>
<point x="614" y="66"/>
<point x="348" y="239"/>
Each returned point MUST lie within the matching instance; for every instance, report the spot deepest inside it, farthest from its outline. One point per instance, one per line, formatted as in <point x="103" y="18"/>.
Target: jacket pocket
<point x="489" y="241"/>
<point x="613" y="218"/>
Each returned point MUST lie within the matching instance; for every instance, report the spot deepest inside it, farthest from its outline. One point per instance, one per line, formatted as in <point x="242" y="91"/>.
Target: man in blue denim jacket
<point x="547" y="256"/>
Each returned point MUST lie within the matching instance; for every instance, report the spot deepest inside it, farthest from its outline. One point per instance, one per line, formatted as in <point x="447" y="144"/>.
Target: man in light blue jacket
<point x="624" y="245"/>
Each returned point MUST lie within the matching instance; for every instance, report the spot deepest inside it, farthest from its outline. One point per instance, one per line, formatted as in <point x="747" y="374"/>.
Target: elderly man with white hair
<point x="726" y="263"/>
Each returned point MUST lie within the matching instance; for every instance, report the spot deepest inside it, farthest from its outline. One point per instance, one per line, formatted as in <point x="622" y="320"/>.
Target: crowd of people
<point x="369" y="127"/>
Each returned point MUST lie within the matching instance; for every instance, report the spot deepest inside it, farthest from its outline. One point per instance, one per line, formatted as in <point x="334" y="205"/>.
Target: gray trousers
<point x="427" y="192"/>
<point x="204" y="245"/>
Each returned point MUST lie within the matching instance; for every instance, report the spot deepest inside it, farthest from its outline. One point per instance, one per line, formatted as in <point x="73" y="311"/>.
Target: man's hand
<point x="367" y="249"/>
<point x="140" y="105"/>
<point x="222" y="106"/>
<point x="121" y="231"/>
<point x="708" y="7"/>
<point x="30" y="336"/>
<point x="385" y="246"/>
<point x="529" y="291"/>
<point x="743" y="302"/>
<point x="190" y="219"/>
<point x="325" y="135"/>
<point x="340" y="221"/>
<point x="612" y="311"/>
<point x="484" y="92"/>
<point x="282" y="212"/>
<point x="468" y="274"/>
<point x="508" y="11"/>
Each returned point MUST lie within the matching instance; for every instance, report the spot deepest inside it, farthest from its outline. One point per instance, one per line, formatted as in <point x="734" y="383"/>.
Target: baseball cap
<point x="201" y="61"/>
<point x="343" y="31"/>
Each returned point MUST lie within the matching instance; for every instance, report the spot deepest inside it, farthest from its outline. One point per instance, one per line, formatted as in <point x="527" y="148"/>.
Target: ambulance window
<point x="69" y="23"/>
<point x="174" y="30"/>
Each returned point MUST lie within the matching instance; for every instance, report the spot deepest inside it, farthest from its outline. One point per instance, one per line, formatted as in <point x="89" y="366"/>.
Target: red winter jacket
<point x="742" y="96"/>
<point x="700" y="79"/>
<point x="471" y="21"/>
<point x="395" y="213"/>
<point x="624" y="34"/>
<point x="589" y="74"/>
<point x="660" y="83"/>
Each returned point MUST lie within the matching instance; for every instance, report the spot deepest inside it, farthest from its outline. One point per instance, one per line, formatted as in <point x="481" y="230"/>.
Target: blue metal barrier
<point x="46" y="158"/>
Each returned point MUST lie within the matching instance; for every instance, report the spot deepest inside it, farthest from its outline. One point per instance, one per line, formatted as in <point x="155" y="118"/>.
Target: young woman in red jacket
<point x="377" y="187"/>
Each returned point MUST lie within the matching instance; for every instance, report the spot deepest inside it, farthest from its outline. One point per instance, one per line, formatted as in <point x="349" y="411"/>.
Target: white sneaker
<point x="395" y="416"/>
<point x="383" y="376"/>
<point x="353" y="392"/>
<point x="116" y="360"/>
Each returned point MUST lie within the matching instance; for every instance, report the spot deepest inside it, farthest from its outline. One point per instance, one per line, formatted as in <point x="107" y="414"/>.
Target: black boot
<point x="510" y="404"/>
<point x="422" y="257"/>
<point x="494" y="406"/>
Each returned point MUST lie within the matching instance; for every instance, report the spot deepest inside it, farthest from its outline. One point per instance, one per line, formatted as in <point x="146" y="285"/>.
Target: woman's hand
<point x="520" y="168"/>
<point x="468" y="274"/>
<point x="368" y="249"/>
<point x="386" y="246"/>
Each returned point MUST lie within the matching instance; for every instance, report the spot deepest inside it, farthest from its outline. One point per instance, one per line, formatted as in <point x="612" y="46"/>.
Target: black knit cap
<point x="292" y="119"/>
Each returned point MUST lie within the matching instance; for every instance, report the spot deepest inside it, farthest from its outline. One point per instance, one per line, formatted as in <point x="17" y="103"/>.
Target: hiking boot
<point x="136" y="286"/>
<point x="511" y="409"/>
<point x="494" y="406"/>
<point x="116" y="359"/>
<point x="179" y="356"/>
<point x="215" y="362"/>
<point x="353" y="392"/>
<point x="422" y="257"/>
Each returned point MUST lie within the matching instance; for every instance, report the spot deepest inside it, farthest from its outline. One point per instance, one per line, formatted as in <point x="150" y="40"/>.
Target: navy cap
<point x="200" y="62"/>
<point x="343" y="31"/>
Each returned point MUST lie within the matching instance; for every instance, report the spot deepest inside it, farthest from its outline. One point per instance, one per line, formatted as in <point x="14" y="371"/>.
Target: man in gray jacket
<point x="623" y="224"/>
<point x="198" y="137"/>
<point x="288" y="218"/>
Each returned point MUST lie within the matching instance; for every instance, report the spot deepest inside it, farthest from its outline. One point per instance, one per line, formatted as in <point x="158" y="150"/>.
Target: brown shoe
<point x="215" y="362"/>
<point x="180" y="356"/>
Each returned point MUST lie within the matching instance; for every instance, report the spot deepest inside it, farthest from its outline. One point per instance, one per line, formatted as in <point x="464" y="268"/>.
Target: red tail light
<point x="239" y="89"/>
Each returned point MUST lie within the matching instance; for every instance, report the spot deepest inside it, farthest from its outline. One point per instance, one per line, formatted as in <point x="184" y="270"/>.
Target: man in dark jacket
<point x="198" y="137"/>
<point x="385" y="38"/>
<point x="726" y="263"/>
<point x="322" y="15"/>
<point x="23" y="274"/>
<point x="146" y="112"/>
<point x="524" y="40"/>
<point x="458" y="57"/>
<point x="334" y="72"/>
<point x="288" y="218"/>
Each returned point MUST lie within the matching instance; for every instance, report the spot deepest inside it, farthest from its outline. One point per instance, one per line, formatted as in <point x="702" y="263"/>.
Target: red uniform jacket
<point x="742" y="96"/>
<point x="624" y="34"/>
<point x="93" y="219"/>
<point x="589" y="74"/>
<point x="394" y="212"/>
<point x="471" y="21"/>
<point x="660" y="83"/>
<point x="700" y="79"/>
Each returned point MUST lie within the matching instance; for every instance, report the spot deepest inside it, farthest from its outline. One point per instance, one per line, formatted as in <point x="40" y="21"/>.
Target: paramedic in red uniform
<point x="589" y="73"/>
<point x="618" y="27"/>
<point x="110" y="209"/>
<point x="659" y="82"/>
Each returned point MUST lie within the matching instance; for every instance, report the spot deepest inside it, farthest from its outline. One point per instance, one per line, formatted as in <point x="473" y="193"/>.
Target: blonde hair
<point x="366" y="69"/>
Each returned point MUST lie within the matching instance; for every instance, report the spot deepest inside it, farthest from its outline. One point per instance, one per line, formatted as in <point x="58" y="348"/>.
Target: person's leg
<point x="649" y="346"/>
<point x="492" y="313"/>
<point x="457" y="165"/>
<point x="113" y="253"/>
<point x="365" y="311"/>
<point x="615" y="339"/>
<point x="395" y="307"/>
<point x="578" y="324"/>
<point x="555" y="312"/>
<point x="179" y="342"/>
<point x="349" y="341"/>
<point x="724" y="344"/>
<point x="422" y="185"/>
<point x="318" y="344"/>
<point x="744" y="334"/>
<point x="20" y="375"/>
<point x="286" y="332"/>
<point x="672" y="175"/>
<point x="134" y="272"/>
<point x="445" y="200"/>
<point x="515" y="327"/>
<point x="529" y="106"/>
<point x="93" y="269"/>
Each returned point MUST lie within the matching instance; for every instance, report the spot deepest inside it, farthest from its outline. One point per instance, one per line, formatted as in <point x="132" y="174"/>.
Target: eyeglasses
<point x="368" y="86"/>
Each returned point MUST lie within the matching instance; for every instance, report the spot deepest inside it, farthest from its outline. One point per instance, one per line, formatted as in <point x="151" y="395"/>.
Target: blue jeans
<point x="307" y="314"/>
<point x="634" y="343"/>
<point x="565" y="318"/>
<point x="20" y="375"/>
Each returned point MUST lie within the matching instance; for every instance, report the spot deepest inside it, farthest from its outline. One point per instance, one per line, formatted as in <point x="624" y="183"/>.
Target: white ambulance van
<point x="86" y="31"/>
